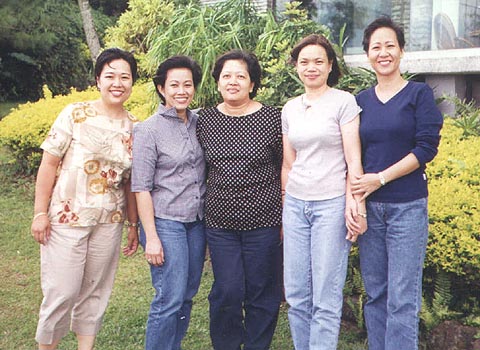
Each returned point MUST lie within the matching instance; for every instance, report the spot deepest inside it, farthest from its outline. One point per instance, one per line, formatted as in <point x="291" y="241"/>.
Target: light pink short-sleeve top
<point x="96" y="160"/>
<point x="314" y="131"/>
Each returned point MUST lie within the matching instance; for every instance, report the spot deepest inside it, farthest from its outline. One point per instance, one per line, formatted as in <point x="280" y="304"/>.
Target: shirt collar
<point x="305" y="104"/>
<point x="172" y="113"/>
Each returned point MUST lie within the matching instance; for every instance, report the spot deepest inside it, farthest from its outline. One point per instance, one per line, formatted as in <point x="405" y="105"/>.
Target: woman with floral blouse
<point x="82" y="199"/>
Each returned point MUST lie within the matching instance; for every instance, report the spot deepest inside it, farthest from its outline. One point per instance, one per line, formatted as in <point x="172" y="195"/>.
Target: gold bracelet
<point x="363" y="215"/>
<point x="38" y="215"/>
<point x="130" y="224"/>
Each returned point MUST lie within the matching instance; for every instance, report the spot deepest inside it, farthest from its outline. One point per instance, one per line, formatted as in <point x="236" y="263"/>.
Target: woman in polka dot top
<point x="242" y="140"/>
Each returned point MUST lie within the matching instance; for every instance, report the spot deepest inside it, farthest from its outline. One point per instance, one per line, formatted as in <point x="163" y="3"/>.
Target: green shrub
<point x="467" y="115"/>
<point x="132" y="28"/>
<point x="454" y="201"/>
<point x="24" y="129"/>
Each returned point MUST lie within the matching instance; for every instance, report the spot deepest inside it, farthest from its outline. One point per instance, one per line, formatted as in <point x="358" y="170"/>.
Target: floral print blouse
<point x="96" y="160"/>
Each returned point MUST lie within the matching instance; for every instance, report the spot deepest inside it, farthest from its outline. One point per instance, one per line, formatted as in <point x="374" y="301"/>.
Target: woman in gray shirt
<point x="168" y="176"/>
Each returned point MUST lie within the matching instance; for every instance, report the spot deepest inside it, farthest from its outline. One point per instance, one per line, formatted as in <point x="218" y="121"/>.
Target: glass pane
<point x="428" y="24"/>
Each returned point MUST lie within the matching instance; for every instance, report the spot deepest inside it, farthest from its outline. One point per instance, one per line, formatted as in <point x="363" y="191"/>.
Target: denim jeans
<point x="392" y="252"/>
<point x="176" y="282"/>
<point x="315" y="268"/>
<point x="247" y="281"/>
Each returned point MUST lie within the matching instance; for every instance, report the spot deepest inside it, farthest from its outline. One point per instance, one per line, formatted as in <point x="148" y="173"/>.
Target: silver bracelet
<point x="39" y="214"/>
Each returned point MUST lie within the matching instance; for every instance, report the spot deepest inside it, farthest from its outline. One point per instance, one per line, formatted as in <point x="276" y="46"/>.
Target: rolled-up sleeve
<point x="144" y="162"/>
<point x="429" y="122"/>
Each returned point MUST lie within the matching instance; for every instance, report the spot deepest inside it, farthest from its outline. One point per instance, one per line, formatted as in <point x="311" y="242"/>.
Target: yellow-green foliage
<point x="454" y="242"/>
<point x="132" y="28"/>
<point x="24" y="129"/>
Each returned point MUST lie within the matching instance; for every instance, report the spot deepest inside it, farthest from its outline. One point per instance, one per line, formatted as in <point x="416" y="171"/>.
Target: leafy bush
<point x="467" y="115"/>
<point x="132" y="28"/>
<point x="437" y="308"/>
<point x="454" y="216"/>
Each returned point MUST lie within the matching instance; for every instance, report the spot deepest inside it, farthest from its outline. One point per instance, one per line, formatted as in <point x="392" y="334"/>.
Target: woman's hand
<point x="132" y="241"/>
<point x="355" y="219"/>
<point x="362" y="221"/>
<point x="154" y="252"/>
<point x="41" y="228"/>
<point x="365" y="184"/>
<point x="351" y="213"/>
<point x="353" y="235"/>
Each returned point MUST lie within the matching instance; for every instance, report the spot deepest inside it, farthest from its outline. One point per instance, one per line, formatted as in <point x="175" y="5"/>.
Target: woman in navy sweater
<point x="399" y="129"/>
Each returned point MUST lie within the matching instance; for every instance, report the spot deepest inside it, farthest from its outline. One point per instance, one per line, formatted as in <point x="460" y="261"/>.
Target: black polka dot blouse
<point x="244" y="158"/>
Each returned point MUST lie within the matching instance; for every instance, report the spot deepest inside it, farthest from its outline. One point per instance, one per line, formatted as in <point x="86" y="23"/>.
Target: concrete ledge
<point x="458" y="61"/>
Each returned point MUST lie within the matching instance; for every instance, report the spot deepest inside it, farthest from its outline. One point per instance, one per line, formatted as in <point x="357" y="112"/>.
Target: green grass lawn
<point x="124" y="322"/>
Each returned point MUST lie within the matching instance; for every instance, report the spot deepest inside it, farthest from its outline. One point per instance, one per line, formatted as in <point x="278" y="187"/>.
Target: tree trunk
<point x="89" y="28"/>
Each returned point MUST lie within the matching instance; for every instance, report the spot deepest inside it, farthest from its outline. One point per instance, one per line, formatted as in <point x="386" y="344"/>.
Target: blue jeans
<point x="392" y="252"/>
<point x="247" y="281"/>
<point x="315" y="268"/>
<point x="176" y="282"/>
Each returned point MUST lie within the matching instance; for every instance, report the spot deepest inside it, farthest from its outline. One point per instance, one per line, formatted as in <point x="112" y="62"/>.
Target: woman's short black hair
<point x="383" y="22"/>
<point x="176" y="62"/>
<point x="320" y="40"/>
<point x="253" y="67"/>
<point x="112" y="54"/>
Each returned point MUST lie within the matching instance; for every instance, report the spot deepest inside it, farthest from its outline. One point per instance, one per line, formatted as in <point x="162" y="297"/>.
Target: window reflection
<point x="428" y="24"/>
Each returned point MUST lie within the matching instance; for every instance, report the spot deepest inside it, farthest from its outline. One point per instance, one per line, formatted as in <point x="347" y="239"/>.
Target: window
<point x="428" y="24"/>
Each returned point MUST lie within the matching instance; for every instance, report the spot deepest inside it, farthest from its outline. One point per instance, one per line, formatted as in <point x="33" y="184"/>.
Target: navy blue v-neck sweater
<point x="409" y="122"/>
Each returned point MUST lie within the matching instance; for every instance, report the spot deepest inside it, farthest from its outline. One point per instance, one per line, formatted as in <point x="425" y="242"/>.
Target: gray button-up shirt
<point x="168" y="162"/>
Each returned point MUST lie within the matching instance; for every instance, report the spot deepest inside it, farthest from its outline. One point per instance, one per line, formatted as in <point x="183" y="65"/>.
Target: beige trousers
<point x="78" y="266"/>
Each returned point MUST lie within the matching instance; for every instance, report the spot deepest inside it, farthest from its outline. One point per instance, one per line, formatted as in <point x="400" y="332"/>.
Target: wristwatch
<point x="382" y="179"/>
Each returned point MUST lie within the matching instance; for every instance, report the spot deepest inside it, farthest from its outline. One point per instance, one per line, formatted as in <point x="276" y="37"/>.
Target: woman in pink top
<point x="82" y="199"/>
<point x="321" y="147"/>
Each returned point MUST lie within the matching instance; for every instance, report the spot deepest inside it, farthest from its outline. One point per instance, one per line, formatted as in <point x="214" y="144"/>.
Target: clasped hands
<point x="355" y="212"/>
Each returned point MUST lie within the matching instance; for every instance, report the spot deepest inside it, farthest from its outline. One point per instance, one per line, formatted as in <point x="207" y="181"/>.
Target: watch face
<point x="382" y="179"/>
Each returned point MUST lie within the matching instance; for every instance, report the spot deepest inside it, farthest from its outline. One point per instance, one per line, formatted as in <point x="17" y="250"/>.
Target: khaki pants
<point x="78" y="266"/>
